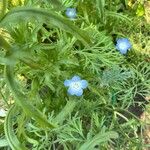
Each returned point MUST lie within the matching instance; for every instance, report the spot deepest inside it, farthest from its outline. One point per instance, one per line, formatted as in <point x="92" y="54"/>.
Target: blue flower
<point x="123" y="44"/>
<point x="76" y="85"/>
<point x="71" y="13"/>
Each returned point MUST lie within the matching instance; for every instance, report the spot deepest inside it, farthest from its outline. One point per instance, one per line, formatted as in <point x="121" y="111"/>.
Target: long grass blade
<point x="97" y="139"/>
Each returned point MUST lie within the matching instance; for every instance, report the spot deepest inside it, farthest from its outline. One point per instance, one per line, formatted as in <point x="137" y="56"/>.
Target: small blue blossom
<point x="76" y="85"/>
<point x="123" y="44"/>
<point x="71" y="13"/>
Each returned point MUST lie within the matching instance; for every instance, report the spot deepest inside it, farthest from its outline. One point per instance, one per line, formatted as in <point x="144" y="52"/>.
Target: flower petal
<point x="71" y="91"/>
<point x="123" y="44"/>
<point x="79" y="92"/>
<point x="84" y="84"/>
<point x="67" y="82"/>
<point x="76" y="78"/>
<point x="122" y="50"/>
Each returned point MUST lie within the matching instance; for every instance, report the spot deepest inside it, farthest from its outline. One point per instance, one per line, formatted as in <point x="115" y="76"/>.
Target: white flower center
<point x="123" y="45"/>
<point x="76" y="85"/>
<point x="71" y="13"/>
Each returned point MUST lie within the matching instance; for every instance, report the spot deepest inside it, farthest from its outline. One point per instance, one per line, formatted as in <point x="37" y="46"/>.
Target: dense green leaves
<point x="40" y="48"/>
<point x="48" y="17"/>
<point x="24" y="102"/>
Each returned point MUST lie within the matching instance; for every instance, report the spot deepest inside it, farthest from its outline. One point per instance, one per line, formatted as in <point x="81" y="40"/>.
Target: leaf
<point x="100" y="6"/>
<point x="118" y="16"/>
<point x="23" y="101"/>
<point x="65" y="112"/>
<point x="114" y="76"/>
<point x="4" y="61"/>
<point x="140" y="10"/>
<point x="97" y="139"/>
<point x="30" y="140"/>
<point x="3" y="143"/>
<point x="49" y="17"/>
<point x="12" y="139"/>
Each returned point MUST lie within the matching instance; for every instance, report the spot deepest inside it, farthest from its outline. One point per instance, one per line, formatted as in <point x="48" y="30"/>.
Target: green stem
<point x="23" y="101"/>
<point x="66" y="111"/>
<point x="119" y="109"/>
<point x="12" y="139"/>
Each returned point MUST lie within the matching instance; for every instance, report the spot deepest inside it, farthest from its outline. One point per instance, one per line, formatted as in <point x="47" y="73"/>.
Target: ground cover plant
<point x="74" y="74"/>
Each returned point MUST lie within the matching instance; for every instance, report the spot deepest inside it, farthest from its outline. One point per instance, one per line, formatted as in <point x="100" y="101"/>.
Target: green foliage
<point x="10" y="134"/>
<point x="99" y="138"/>
<point x="3" y="143"/>
<point x="40" y="48"/>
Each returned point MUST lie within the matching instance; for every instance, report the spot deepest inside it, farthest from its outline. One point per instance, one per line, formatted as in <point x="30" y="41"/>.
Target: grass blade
<point x="97" y="139"/>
